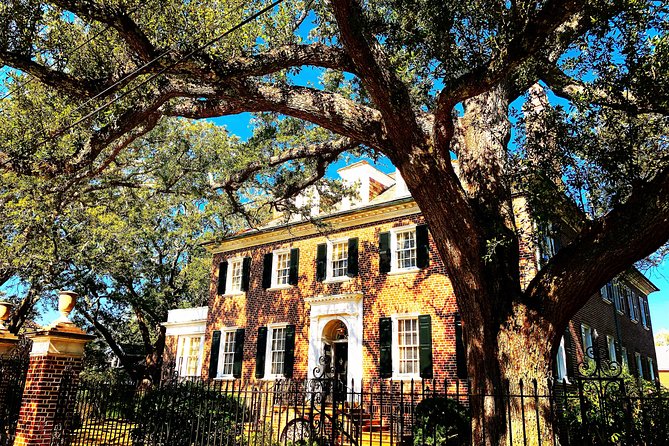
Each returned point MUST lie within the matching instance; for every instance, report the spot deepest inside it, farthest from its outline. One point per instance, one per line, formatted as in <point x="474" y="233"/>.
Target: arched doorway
<point x="335" y="352"/>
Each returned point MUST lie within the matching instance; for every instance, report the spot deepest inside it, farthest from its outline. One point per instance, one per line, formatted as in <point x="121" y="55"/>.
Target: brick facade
<point x="424" y="292"/>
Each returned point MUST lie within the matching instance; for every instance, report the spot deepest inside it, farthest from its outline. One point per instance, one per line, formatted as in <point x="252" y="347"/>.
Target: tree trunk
<point x="154" y="358"/>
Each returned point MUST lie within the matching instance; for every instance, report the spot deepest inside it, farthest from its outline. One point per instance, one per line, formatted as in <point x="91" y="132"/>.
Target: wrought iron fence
<point x="13" y="371"/>
<point x="375" y="413"/>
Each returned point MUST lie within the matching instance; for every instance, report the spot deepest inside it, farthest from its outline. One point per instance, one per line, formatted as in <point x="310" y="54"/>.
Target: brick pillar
<point x="55" y="363"/>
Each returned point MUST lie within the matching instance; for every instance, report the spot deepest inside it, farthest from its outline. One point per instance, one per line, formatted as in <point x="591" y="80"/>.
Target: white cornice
<point x="330" y="298"/>
<point x="343" y="220"/>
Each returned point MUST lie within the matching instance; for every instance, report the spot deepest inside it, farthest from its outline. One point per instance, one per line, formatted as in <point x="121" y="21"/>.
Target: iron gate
<point x="13" y="371"/>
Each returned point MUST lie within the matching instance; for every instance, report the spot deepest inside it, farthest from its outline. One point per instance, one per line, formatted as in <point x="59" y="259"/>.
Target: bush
<point x="441" y="421"/>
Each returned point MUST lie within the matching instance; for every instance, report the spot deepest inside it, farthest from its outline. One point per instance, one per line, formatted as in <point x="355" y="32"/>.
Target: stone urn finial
<point x="66" y="302"/>
<point x="5" y="312"/>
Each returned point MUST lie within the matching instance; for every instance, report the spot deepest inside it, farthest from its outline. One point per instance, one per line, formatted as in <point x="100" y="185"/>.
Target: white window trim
<point x="228" y="278"/>
<point x="561" y="359"/>
<point x="219" y="375"/>
<point x="396" y="348"/>
<point x="328" y="259"/>
<point x="393" y="250"/>
<point x="268" y="376"/>
<point x="642" y="310"/>
<point x="183" y="365"/>
<point x="631" y="296"/>
<point x="275" y="258"/>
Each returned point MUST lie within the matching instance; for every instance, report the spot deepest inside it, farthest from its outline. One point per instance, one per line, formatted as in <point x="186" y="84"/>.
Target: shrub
<point x="441" y="421"/>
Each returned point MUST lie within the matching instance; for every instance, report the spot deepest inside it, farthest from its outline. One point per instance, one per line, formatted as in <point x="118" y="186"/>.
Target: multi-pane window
<point x="408" y="346"/>
<point x="630" y="305"/>
<point x="235" y="282"/>
<point x="625" y="359"/>
<point x="282" y="268"/>
<point x="227" y="355"/>
<point x="642" y="311"/>
<point x="651" y="369"/>
<point x="277" y="352"/>
<point x="586" y="337"/>
<point x="561" y="361"/>
<point x="339" y="259"/>
<point x="405" y="249"/>
<point x="189" y="356"/>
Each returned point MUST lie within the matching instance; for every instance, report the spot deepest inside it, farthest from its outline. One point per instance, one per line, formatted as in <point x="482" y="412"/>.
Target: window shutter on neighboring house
<point x="385" y="347"/>
<point x="422" y="247"/>
<point x="239" y="353"/>
<point x="384" y="252"/>
<point x="260" y="352"/>
<point x="222" y="276"/>
<point x="352" y="268"/>
<point x="246" y="273"/>
<point x="213" y="353"/>
<point x="289" y="357"/>
<point x="321" y="261"/>
<point x="267" y="271"/>
<point x="460" y="353"/>
<point x="425" y="339"/>
<point x="294" y="266"/>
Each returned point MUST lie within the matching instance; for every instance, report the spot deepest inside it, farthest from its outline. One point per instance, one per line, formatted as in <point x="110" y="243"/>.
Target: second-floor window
<point x="642" y="311"/>
<point x="405" y="249"/>
<point x="280" y="268"/>
<point x="339" y="260"/>
<point x="630" y="305"/>
<point x="235" y="275"/>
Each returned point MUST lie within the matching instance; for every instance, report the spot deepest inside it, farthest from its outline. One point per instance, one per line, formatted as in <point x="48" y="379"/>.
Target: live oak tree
<point x="420" y="82"/>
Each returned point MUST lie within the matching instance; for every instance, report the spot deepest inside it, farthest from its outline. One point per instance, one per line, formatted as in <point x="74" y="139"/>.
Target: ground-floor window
<point x="277" y="350"/>
<point x="227" y="354"/>
<point x="189" y="358"/>
<point x="408" y="346"/>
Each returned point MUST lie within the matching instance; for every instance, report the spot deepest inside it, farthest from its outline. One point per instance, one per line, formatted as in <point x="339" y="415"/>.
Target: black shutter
<point x="385" y="347"/>
<point x="222" y="276"/>
<point x="352" y="269"/>
<point x="213" y="354"/>
<point x="460" y="354"/>
<point x="294" y="266"/>
<point x="321" y="261"/>
<point x="239" y="353"/>
<point x="261" y="347"/>
<point x="246" y="273"/>
<point x="425" y="339"/>
<point x="289" y="356"/>
<point x="267" y="271"/>
<point x="422" y="247"/>
<point x="384" y="252"/>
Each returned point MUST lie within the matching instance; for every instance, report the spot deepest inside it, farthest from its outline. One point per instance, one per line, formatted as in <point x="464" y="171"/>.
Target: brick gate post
<point x="55" y="363"/>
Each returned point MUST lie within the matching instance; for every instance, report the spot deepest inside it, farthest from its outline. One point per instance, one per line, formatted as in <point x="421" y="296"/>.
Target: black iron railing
<point x="13" y="370"/>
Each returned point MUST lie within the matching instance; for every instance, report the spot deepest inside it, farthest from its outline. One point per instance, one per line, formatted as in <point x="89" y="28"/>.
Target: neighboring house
<point x="663" y="365"/>
<point x="365" y="296"/>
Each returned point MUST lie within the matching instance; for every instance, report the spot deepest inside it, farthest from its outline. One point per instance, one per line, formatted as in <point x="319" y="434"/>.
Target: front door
<point x="340" y="369"/>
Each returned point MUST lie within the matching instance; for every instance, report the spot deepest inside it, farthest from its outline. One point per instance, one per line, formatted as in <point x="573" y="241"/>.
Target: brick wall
<point x="424" y="292"/>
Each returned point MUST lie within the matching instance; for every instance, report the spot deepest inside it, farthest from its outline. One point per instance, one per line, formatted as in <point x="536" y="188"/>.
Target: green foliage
<point x="441" y="421"/>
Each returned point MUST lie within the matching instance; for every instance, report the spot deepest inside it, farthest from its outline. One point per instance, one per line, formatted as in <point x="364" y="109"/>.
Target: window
<point x="189" y="357"/>
<point x="642" y="311"/>
<point x="404" y="249"/>
<point x="639" y="365"/>
<point x="611" y="345"/>
<point x="586" y="337"/>
<point x="607" y="292"/>
<point x="277" y="351"/>
<point x="227" y="354"/>
<point x="630" y="305"/>
<point x="625" y="359"/>
<point x="618" y="298"/>
<point x="651" y="369"/>
<point x="281" y="268"/>
<point x="408" y="346"/>
<point x="561" y="363"/>
<point x="338" y="264"/>
<point x="234" y="276"/>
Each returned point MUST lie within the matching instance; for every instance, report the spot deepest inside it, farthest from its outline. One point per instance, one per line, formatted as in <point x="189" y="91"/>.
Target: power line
<point x="165" y="69"/>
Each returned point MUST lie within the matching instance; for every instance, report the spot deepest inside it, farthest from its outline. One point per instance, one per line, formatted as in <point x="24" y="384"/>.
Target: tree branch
<point x="603" y="249"/>
<point x="388" y="92"/>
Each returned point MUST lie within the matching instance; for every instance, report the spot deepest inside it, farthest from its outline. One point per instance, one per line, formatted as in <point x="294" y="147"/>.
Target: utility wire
<point x="165" y="69"/>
